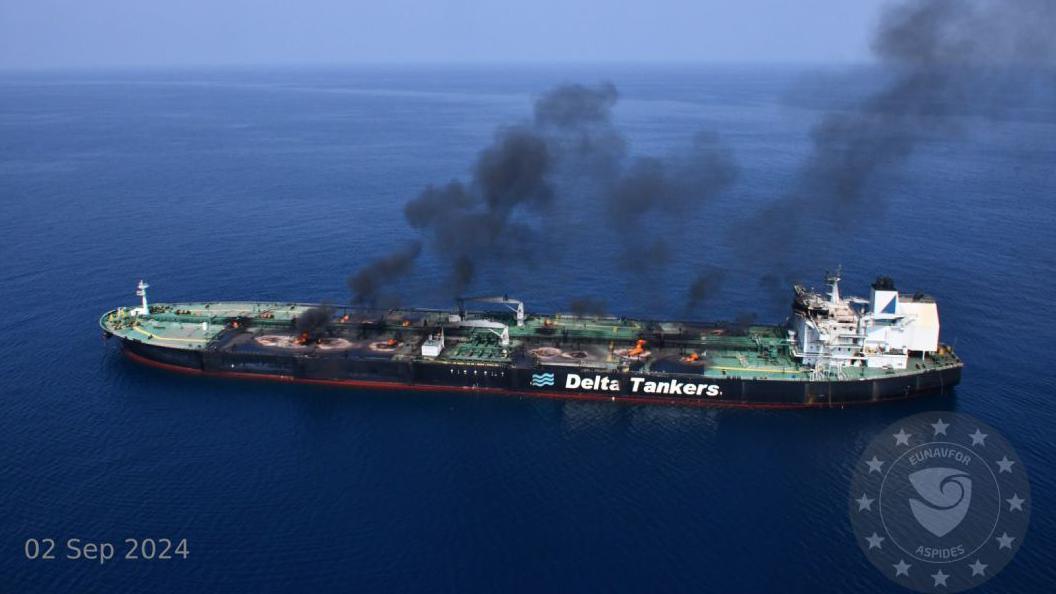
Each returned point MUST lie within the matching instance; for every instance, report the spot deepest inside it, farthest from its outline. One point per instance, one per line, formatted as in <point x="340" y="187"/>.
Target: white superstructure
<point x="433" y="345"/>
<point x="830" y="331"/>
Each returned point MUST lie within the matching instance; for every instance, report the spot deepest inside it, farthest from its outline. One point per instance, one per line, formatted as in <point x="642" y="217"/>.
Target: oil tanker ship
<point x="832" y="351"/>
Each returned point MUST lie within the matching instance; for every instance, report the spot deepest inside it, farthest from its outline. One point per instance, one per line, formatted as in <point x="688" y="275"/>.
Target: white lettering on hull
<point x="673" y="387"/>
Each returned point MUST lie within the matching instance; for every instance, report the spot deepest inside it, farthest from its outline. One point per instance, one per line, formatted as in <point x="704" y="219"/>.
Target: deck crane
<point x="514" y="305"/>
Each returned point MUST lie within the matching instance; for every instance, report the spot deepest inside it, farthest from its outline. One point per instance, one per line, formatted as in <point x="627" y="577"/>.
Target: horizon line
<point x="56" y="68"/>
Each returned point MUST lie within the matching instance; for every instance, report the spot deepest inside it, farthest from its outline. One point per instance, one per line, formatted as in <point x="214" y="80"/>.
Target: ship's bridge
<point x="881" y="332"/>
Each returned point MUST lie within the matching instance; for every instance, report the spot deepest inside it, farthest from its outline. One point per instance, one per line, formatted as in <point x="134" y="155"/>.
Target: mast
<point x="834" y="285"/>
<point x="141" y="292"/>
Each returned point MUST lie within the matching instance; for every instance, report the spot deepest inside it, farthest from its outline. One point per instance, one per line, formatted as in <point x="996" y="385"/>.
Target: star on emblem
<point x="874" y="541"/>
<point x="940" y="427"/>
<point x="865" y="503"/>
<point x="901" y="438"/>
<point x="901" y="568"/>
<point x="1004" y="465"/>
<point x="1015" y="502"/>
<point x="978" y="568"/>
<point x="940" y="578"/>
<point x="1004" y="541"/>
<point x="978" y="438"/>
<point x="874" y="464"/>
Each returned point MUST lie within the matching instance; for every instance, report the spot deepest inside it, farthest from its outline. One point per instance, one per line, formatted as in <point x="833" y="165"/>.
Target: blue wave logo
<point x="540" y="380"/>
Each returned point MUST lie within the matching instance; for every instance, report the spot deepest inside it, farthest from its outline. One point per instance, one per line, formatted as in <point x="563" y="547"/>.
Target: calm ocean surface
<point x="276" y="184"/>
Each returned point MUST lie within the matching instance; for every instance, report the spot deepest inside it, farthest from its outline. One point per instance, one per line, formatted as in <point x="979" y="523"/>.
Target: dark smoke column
<point x="499" y="216"/>
<point x="946" y="64"/>
<point x="366" y="285"/>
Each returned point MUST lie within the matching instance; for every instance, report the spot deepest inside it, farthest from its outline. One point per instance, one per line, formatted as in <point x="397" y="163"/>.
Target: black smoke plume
<point x="314" y="322"/>
<point x="577" y="122"/>
<point x="947" y="64"/>
<point x="495" y="216"/>
<point x="704" y="287"/>
<point x="588" y="306"/>
<point x="468" y="223"/>
<point x="519" y="178"/>
<point x="743" y="322"/>
<point x="573" y="106"/>
<point x="673" y="186"/>
<point x="367" y="284"/>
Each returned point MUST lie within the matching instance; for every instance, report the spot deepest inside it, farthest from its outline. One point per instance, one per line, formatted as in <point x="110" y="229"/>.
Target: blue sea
<point x="279" y="183"/>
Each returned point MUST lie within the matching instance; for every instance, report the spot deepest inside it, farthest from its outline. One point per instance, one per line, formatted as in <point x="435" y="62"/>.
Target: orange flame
<point x="692" y="357"/>
<point x="406" y="323"/>
<point x="392" y="342"/>
<point x="639" y="348"/>
<point x="302" y="339"/>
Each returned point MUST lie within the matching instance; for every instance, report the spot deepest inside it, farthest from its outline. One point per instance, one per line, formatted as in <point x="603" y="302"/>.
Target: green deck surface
<point x="757" y="352"/>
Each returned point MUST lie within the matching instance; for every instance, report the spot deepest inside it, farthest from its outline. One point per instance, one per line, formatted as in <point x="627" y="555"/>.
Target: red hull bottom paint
<point x="394" y="386"/>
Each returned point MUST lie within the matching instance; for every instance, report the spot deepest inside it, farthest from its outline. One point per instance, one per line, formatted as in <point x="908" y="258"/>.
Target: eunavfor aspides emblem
<point x="940" y="502"/>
